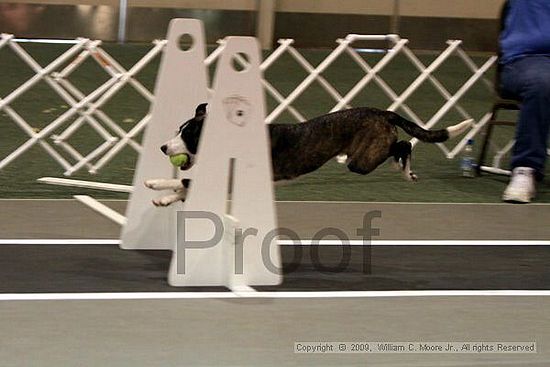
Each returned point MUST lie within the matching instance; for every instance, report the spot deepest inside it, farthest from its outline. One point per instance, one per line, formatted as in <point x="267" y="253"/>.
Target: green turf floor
<point x="439" y="178"/>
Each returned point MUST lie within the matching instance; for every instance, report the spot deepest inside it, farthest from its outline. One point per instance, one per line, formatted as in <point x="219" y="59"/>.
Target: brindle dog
<point x="367" y="136"/>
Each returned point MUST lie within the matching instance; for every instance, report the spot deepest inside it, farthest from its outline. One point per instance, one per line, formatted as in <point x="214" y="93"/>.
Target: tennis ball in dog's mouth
<point x="179" y="160"/>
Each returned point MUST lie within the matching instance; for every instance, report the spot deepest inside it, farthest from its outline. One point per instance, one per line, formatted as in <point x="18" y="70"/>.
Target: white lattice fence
<point x="86" y="109"/>
<point x="86" y="106"/>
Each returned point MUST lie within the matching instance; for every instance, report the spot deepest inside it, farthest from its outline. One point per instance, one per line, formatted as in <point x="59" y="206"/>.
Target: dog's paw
<point x="153" y="184"/>
<point x="342" y="158"/>
<point x="161" y="202"/>
<point x="156" y="202"/>
<point x="413" y="177"/>
<point x="169" y="199"/>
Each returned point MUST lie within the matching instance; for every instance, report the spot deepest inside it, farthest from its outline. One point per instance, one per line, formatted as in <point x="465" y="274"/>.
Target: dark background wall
<point x="430" y="33"/>
<point x="309" y="29"/>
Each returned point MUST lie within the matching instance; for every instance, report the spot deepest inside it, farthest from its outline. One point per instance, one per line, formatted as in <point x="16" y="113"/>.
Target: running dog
<point x="367" y="136"/>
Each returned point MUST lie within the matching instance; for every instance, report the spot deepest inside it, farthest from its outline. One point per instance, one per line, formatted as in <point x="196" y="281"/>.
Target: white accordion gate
<point x="88" y="107"/>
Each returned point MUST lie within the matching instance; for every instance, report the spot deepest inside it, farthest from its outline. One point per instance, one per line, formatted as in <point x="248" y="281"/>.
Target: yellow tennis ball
<point x="179" y="160"/>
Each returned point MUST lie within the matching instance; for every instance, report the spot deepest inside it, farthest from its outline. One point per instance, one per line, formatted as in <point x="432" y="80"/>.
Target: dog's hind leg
<point x="370" y="148"/>
<point x="366" y="162"/>
<point x="402" y="153"/>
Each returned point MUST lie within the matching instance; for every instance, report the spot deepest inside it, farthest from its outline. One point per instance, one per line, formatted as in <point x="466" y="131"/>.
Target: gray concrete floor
<point x="250" y="332"/>
<point x="407" y="221"/>
<point x="262" y="332"/>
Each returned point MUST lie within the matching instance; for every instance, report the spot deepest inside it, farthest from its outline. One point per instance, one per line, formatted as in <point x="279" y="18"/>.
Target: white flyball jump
<point x="181" y="85"/>
<point x="234" y="244"/>
<point x="233" y="178"/>
<point x="234" y="149"/>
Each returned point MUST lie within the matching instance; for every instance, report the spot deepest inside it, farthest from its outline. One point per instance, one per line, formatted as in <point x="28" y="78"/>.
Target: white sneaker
<point x="521" y="188"/>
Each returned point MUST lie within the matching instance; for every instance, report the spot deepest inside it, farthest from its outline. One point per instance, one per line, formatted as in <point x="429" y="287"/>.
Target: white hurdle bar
<point x="89" y="201"/>
<point x="86" y="184"/>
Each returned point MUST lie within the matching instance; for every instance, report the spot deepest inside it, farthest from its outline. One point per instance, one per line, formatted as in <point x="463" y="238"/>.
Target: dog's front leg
<point x="170" y="199"/>
<point x="164" y="184"/>
<point x="179" y="186"/>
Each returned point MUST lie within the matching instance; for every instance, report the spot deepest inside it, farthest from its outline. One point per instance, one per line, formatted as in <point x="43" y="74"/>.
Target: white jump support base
<point x="101" y="209"/>
<point x="86" y="184"/>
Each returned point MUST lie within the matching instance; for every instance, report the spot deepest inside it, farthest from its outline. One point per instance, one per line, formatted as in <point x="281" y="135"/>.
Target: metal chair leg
<point x="485" y="145"/>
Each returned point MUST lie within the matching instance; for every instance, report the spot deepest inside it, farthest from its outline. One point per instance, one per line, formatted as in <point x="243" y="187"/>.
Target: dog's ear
<point x="191" y="135"/>
<point x="200" y="111"/>
<point x="197" y="127"/>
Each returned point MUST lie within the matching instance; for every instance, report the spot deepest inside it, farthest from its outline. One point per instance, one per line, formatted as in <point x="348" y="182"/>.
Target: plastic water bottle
<point x="467" y="160"/>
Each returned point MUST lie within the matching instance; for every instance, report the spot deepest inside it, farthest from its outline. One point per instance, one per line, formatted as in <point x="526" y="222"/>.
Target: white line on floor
<point x="272" y="295"/>
<point x="307" y="242"/>
<point x="321" y="202"/>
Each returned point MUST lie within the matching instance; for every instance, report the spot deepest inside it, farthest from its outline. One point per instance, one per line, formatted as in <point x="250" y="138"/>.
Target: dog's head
<point x="187" y="139"/>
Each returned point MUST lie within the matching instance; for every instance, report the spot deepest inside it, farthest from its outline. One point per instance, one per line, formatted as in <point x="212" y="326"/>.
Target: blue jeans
<point x="528" y="80"/>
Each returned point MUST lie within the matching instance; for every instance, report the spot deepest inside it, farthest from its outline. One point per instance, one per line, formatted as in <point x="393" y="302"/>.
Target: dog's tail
<point x="430" y="136"/>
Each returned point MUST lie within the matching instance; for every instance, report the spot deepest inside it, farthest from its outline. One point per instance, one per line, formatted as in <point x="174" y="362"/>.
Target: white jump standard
<point x="231" y="141"/>
<point x="233" y="164"/>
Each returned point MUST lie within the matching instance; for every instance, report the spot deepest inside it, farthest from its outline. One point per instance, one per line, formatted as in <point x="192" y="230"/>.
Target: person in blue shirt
<point x="525" y="76"/>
